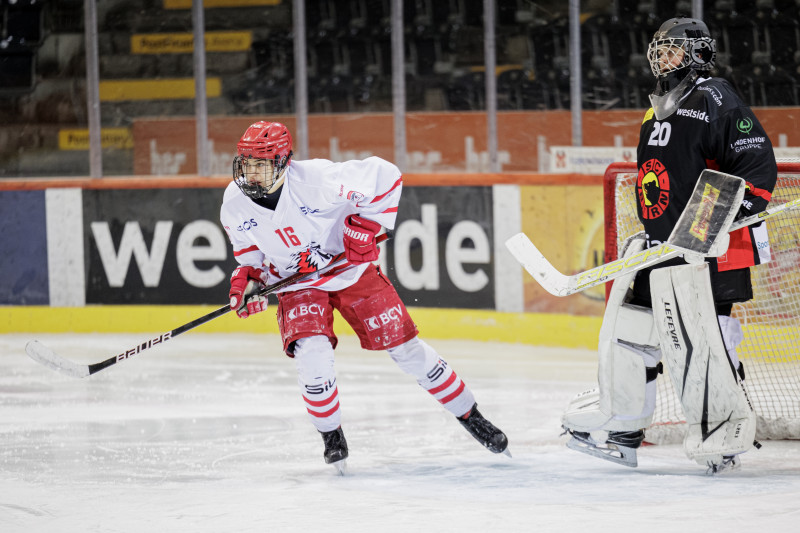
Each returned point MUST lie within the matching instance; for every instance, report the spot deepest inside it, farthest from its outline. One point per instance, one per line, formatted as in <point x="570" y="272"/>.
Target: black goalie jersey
<point x="714" y="129"/>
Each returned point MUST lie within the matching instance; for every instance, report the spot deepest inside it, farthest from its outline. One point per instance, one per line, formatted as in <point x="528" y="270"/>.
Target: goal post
<point x="771" y="320"/>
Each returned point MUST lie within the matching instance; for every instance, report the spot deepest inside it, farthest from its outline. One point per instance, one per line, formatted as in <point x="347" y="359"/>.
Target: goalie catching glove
<point x="359" y="239"/>
<point x="245" y="286"/>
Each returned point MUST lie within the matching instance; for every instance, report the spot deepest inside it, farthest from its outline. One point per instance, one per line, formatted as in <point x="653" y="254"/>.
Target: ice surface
<point x="208" y="434"/>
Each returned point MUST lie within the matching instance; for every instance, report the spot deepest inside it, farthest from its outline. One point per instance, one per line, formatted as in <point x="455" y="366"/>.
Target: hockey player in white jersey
<point x="285" y="216"/>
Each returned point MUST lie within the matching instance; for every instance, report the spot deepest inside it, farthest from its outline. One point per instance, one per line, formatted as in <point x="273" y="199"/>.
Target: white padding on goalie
<point x="627" y="346"/>
<point x="718" y="412"/>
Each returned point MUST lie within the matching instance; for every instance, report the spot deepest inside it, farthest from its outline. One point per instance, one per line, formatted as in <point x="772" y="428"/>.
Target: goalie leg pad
<point x="608" y="421"/>
<point x="721" y="421"/>
<point x="628" y="352"/>
<point x="628" y="366"/>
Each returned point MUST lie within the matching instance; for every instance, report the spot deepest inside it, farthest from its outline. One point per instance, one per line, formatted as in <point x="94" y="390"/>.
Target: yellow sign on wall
<point x="78" y="139"/>
<point x="183" y="43"/>
<point x="163" y="89"/>
<point x="187" y="4"/>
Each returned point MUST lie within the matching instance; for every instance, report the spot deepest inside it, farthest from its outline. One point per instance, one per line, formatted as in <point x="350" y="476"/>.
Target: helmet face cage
<point x="256" y="177"/>
<point x="675" y="53"/>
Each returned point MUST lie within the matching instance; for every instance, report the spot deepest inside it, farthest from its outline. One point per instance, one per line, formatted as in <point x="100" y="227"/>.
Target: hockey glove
<point x="245" y="285"/>
<point x="359" y="239"/>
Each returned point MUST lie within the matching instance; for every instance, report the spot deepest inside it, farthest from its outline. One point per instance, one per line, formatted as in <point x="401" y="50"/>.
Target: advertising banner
<point x="566" y="224"/>
<point x="23" y="248"/>
<point x="441" y="251"/>
<point x="166" y="246"/>
<point x="155" y="246"/>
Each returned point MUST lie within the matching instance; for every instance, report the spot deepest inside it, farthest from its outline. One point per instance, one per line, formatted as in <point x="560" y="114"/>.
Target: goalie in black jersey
<point x="680" y="311"/>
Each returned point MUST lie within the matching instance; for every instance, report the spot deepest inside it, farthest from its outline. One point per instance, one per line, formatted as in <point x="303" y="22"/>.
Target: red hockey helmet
<point x="262" y="156"/>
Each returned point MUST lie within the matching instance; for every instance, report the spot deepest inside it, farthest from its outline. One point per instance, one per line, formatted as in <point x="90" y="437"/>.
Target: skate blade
<point x="728" y="464"/>
<point x="618" y="454"/>
<point x="340" y="466"/>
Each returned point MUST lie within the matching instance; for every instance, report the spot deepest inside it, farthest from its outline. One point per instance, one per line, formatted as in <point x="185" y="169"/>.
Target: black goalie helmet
<point x="681" y="44"/>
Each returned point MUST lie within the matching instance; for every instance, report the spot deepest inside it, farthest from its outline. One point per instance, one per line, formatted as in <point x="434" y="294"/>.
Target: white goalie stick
<point x="47" y="357"/>
<point x="559" y="284"/>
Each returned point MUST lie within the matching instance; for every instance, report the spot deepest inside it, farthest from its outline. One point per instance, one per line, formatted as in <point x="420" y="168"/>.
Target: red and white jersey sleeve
<point x="374" y="186"/>
<point x="305" y="230"/>
<point x="245" y="251"/>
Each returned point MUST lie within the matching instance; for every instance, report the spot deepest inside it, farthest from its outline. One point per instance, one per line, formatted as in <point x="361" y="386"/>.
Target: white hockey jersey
<point x="305" y="231"/>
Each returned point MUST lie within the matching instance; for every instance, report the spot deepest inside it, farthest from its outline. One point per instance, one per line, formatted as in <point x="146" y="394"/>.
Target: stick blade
<point x="538" y="266"/>
<point x="47" y="357"/>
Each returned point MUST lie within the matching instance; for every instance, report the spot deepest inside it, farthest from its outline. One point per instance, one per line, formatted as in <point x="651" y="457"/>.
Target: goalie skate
<point x="619" y="447"/>
<point x="725" y="464"/>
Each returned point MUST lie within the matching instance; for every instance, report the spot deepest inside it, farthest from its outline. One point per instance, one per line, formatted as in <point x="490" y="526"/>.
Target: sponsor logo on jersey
<point x="714" y="92"/>
<point x="247" y="225"/>
<point x="748" y="143"/>
<point x="307" y="210"/>
<point x="744" y="125"/>
<point x="309" y="260"/>
<point x="393" y="314"/>
<point x="693" y="113"/>
<point x="652" y="189"/>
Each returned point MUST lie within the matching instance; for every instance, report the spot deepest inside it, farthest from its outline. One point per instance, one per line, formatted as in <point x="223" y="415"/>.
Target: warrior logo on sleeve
<point x="309" y="260"/>
<point x="652" y="189"/>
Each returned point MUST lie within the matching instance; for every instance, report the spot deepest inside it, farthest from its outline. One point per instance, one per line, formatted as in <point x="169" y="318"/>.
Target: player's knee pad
<point x="629" y="357"/>
<point x="720" y="418"/>
<point x="314" y="359"/>
<point x="414" y="357"/>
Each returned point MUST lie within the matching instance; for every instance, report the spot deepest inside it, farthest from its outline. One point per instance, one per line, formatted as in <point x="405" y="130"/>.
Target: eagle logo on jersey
<point x="309" y="260"/>
<point x="652" y="189"/>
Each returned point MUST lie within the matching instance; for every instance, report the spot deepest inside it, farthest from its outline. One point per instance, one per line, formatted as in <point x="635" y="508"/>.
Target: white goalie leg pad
<point x="629" y="353"/>
<point x="628" y="357"/>
<point x="720" y="419"/>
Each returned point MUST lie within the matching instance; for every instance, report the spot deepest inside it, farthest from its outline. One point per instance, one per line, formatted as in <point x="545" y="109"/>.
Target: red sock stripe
<point x="450" y="397"/>
<point x="446" y="384"/>
<point x="324" y="402"/>
<point x="326" y="414"/>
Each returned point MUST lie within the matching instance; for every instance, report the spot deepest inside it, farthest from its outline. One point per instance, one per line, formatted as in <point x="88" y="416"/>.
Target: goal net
<point x="771" y="320"/>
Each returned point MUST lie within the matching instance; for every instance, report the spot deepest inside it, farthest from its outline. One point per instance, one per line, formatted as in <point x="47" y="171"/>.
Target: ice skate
<point x="725" y="464"/>
<point x="335" y="449"/>
<point x="619" y="447"/>
<point x="484" y="431"/>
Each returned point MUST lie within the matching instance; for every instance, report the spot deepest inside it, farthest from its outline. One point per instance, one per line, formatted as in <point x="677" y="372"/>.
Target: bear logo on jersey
<point x="652" y="189"/>
<point x="309" y="260"/>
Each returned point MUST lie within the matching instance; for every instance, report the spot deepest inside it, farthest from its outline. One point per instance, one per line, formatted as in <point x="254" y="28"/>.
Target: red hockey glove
<point x="245" y="284"/>
<point x="359" y="239"/>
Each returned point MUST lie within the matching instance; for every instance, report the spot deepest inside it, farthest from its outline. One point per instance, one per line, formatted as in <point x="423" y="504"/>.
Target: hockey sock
<point x="433" y="374"/>
<point x="313" y="357"/>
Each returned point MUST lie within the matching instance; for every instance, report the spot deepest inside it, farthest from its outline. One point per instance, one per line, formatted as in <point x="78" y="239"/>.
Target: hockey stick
<point x="559" y="284"/>
<point x="47" y="357"/>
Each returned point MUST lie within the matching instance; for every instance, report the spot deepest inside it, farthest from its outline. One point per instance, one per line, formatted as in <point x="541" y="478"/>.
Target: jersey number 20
<point x="660" y="135"/>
